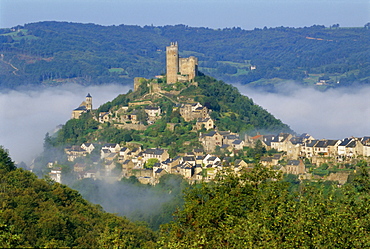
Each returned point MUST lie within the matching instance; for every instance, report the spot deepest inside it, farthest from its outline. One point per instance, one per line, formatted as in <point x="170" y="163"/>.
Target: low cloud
<point x="28" y="114"/>
<point x="333" y="114"/>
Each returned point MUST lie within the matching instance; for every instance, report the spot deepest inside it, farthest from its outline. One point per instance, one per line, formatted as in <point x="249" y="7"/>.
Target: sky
<point x="247" y="14"/>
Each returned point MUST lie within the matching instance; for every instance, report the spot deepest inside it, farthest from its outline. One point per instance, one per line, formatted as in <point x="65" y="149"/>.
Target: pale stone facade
<point x="179" y="69"/>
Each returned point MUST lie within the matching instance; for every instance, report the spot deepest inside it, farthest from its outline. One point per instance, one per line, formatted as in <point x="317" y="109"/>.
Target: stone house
<point x="326" y="148"/>
<point x="79" y="167"/>
<point x="193" y="111"/>
<point x="294" y="148"/>
<point x="271" y="160"/>
<point x="210" y="140"/>
<point x="114" y="148"/>
<point x="127" y="167"/>
<point x="206" y="122"/>
<point x="74" y="152"/>
<point x="92" y="173"/>
<point x="186" y="170"/>
<point x="267" y="140"/>
<point x="154" y="113"/>
<point x="211" y="160"/>
<point x="238" y="144"/>
<point x="350" y="147"/>
<point x="104" y="117"/>
<point x="160" y="154"/>
<point x="56" y="174"/>
<point x="295" y="167"/>
<point x="251" y="141"/>
<point x="124" y="152"/>
<point x="189" y="159"/>
<point x="308" y="148"/>
<point x="89" y="147"/>
<point x="280" y="143"/>
<point x="366" y="146"/>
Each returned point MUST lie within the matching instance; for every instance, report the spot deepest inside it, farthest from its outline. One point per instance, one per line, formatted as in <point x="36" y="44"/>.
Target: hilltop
<point x="52" y="53"/>
<point x="155" y="115"/>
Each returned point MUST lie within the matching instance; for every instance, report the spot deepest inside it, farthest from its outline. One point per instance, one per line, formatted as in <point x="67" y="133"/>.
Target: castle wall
<point x="137" y="82"/>
<point x="189" y="67"/>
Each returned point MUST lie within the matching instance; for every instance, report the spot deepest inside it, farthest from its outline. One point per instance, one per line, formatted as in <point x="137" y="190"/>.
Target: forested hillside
<point x="229" y="108"/>
<point x="56" y="52"/>
<point x="39" y="213"/>
<point x="256" y="209"/>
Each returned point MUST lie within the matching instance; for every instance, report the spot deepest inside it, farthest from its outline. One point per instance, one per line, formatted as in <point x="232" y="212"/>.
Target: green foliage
<point x="151" y="162"/>
<point x="254" y="210"/>
<point x="76" y="131"/>
<point x="88" y="53"/>
<point x="39" y="213"/>
<point x="246" y="116"/>
<point x="6" y="163"/>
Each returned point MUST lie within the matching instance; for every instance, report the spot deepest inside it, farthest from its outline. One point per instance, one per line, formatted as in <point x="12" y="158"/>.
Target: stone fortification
<point x="179" y="69"/>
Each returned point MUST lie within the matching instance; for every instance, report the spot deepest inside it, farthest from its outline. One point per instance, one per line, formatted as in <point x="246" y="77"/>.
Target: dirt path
<point x="10" y="64"/>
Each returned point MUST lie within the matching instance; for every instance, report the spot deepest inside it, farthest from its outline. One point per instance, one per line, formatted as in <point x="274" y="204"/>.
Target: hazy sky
<point x="246" y="14"/>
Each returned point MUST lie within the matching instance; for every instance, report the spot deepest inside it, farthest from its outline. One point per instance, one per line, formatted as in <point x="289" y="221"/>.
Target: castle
<point x="179" y="69"/>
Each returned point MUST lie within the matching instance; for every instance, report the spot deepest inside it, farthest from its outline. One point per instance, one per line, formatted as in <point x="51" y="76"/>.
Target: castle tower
<point x="189" y="67"/>
<point x="88" y="102"/>
<point x="172" y="62"/>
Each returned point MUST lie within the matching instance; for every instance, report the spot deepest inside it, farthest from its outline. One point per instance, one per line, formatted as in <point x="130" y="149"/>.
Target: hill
<point x="41" y="213"/>
<point x="57" y="52"/>
<point x="126" y="119"/>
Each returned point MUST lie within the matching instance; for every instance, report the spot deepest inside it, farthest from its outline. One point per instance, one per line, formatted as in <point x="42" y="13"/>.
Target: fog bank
<point x="333" y="114"/>
<point x="28" y="114"/>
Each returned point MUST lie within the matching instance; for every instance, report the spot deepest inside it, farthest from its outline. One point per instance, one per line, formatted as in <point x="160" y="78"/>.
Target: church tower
<point x="88" y="102"/>
<point x="172" y="62"/>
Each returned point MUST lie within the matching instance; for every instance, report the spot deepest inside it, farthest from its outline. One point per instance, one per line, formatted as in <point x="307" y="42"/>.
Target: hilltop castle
<point x="179" y="69"/>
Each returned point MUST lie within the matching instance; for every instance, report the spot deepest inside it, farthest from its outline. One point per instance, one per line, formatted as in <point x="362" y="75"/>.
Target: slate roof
<point x="158" y="171"/>
<point x="210" y="134"/>
<point x="151" y="108"/>
<point x="351" y="144"/>
<point x="345" y="142"/>
<point x="154" y="151"/>
<point x="110" y="145"/>
<point x="81" y="108"/>
<point x="321" y="144"/>
<point x="293" y="162"/>
<point x="311" y="143"/>
<point x="237" y="142"/>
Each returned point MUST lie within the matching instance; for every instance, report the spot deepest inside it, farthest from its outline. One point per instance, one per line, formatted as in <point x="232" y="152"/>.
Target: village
<point x="291" y="154"/>
<point x="300" y="155"/>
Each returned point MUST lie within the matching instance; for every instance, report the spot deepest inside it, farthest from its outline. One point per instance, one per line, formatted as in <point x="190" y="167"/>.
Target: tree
<point x="6" y="162"/>
<point x="151" y="162"/>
